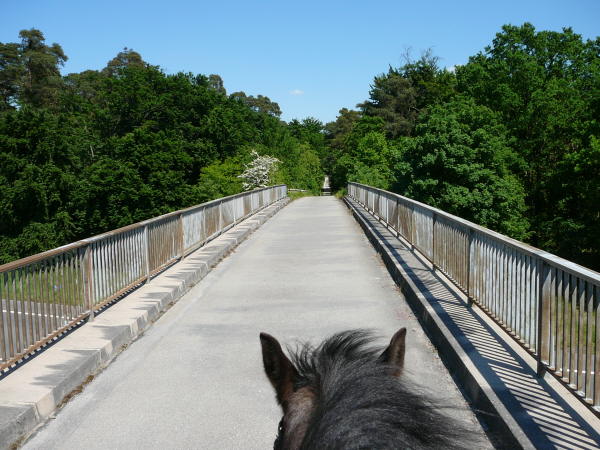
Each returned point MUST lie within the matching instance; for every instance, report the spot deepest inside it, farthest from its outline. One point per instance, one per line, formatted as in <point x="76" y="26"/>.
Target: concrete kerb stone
<point x="30" y="395"/>
<point x="481" y="395"/>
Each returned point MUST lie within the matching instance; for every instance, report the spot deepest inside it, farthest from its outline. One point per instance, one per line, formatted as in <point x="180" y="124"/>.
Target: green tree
<point x="311" y="132"/>
<point x="259" y="103"/>
<point x="394" y="99"/>
<point x="337" y="131"/>
<point x="123" y="144"/>
<point x="574" y="227"/>
<point x="371" y="162"/>
<point x="29" y="71"/>
<point x="126" y="58"/>
<point x="300" y="169"/>
<point x="400" y="95"/>
<point x="347" y="158"/>
<point x="221" y="179"/>
<point x="11" y="73"/>
<point x="216" y="82"/>
<point x="460" y="160"/>
<point x="546" y="87"/>
<point x="432" y="84"/>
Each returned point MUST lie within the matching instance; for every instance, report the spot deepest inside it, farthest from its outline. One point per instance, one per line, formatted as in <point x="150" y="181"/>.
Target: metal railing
<point x="548" y="304"/>
<point x="45" y="294"/>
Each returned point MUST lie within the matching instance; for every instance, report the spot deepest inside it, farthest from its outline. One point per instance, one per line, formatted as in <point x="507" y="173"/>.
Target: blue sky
<point x="312" y="57"/>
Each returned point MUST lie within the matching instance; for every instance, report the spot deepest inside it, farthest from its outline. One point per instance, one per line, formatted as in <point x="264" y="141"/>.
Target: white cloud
<point x="296" y="92"/>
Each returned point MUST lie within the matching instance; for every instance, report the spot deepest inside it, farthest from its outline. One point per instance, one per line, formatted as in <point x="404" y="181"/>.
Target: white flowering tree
<point x="258" y="172"/>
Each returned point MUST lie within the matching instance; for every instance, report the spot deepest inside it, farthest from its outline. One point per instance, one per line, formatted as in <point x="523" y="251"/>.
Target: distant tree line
<point x="88" y="152"/>
<point x="510" y="140"/>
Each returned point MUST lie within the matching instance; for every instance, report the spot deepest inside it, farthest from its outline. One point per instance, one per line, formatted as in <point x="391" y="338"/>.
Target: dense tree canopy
<point x="546" y="86"/>
<point x="92" y="151"/>
<point x="460" y="161"/>
<point x="260" y="103"/>
<point x="509" y="140"/>
<point x="29" y="71"/>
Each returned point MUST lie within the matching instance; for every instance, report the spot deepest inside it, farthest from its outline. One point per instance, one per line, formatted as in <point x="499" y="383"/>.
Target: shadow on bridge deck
<point x="497" y="375"/>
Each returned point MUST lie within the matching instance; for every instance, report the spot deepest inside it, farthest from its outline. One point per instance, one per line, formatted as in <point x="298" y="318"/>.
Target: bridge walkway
<point x="540" y="412"/>
<point x="195" y="379"/>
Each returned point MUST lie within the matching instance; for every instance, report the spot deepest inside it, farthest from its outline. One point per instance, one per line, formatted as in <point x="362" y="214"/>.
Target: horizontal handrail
<point x="44" y="294"/>
<point x="83" y="242"/>
<point x="547" y="303"/>
<point x="521" y="246"/>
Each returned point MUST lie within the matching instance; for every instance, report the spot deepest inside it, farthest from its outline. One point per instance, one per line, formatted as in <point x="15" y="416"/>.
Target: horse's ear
<point x="279" y="369"/>
<point x="394" y="353"/>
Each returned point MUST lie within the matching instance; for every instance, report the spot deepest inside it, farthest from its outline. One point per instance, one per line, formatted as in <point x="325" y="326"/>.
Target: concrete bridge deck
<point x="195" y="378"/>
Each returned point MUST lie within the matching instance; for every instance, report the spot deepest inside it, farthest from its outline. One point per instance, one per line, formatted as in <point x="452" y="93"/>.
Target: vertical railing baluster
<point x="560" y="321"/>
<point x="470" y="267"/>
<point x="100" y="268"/>
<point x="589" y="341"/>
<point x="87" y="281"/>
<point x="580" y="350"/>
<point x="234" y="206"/>
<point x="55" y="291"/>
<point x="70" y="293"/>
<point x="146" y="245"/>
<point x="573" y="332"/>
<point x="3" y="328"/>
<point x="18" y="290"/>
<point x="42" y="299"/>
<point x="180" y="245"/>
<point x="30" y="306"/>
<point x="51" y="296"/>
<point x="12" y="325"/>
<point x="540" y="336"/>
<point x="110" y="268"/>
<point x="596" y="364"/>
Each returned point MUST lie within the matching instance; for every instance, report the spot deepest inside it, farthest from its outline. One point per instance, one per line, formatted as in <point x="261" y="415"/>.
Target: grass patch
<point x="299" y="194"/>
<point x="341" y="193"/>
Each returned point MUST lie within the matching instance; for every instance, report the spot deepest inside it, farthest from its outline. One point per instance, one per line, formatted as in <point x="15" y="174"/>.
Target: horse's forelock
<point x="346" y="348"/>
<point x="356" y="395"/>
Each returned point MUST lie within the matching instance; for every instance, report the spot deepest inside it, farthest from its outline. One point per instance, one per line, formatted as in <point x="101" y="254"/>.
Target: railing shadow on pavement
<point x="542" y="413"/>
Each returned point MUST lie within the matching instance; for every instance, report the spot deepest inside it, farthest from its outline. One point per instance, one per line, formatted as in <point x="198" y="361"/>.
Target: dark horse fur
<point x="346" y="394"/>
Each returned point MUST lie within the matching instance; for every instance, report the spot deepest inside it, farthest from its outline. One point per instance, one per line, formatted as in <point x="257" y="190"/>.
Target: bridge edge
<point x="504" y="430"/>
<point x="20" y="420"/>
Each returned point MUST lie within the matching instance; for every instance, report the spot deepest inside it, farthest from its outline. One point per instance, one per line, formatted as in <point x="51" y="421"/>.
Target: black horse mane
<point x="359" y="404"/>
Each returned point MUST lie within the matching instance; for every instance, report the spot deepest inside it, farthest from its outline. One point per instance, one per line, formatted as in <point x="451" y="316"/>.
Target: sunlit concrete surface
<point x="195" y="379"/>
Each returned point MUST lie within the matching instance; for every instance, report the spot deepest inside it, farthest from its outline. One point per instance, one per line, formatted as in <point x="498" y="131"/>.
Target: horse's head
<point x="298" y="394"/>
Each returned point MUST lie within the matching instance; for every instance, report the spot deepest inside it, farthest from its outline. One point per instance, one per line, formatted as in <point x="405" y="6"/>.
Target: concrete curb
<point x="30" y="395"/>
<point x="503" y="428"/>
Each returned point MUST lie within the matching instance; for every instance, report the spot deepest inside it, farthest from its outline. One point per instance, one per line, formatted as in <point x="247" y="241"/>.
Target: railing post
<point x="434" y="221"/>
<point x="147" y="250"/>
<point x="412" y="227"/>
<point x="180" y="243"/>
<point x="541" y="264"/>
<point x="387" y="211"/>
<point x="397" y="217"/>
<point x="469" y="268"/>
<point x="235" y="207"/>
<point x="88" y="280"/>
<point x="220" y="217"/>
